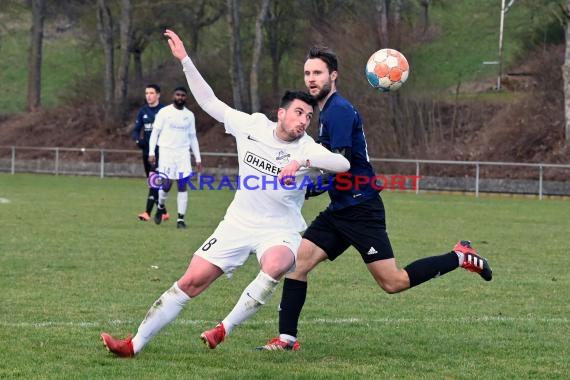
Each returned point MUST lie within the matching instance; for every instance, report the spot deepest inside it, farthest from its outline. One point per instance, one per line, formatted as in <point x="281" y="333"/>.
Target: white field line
<point x="4" y="200"/>
<point x="316" y="321"/>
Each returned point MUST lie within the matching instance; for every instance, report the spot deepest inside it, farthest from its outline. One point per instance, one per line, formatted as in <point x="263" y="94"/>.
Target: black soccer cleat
<point x="159" y="213"/>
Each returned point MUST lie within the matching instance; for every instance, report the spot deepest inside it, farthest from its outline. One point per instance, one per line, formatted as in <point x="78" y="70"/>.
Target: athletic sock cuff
<point x="289" y="283"/>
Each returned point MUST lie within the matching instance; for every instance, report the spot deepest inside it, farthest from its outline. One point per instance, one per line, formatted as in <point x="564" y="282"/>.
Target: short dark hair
<point x="326" y="54"/>
<point x="154" y="86"/>
<point x="180" y="88"/>
<point x="289" y="96"/>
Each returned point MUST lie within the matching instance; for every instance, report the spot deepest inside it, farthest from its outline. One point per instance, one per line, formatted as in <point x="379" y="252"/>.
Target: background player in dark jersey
<point x="144" y="123"/>
<point x="355" y="217"/>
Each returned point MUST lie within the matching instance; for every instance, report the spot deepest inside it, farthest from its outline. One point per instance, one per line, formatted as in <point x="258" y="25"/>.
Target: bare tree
<point x="396" y="24"/>
<point x="126" y="23"/>
<point x="203" y="14"/>
<point x="105" y="28"/>
<point x="262" y="17"/>
<point x="239" y="89"/>
<point x="281" y="29"/>
<point x="566" y="74"/>
<point x="139" y="43"/>
<point x="382" y="22"/>
<point x="35" y="57"/>
<point x="425" y="13"/>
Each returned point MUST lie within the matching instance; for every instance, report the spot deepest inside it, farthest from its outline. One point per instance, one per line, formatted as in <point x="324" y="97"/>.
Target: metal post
<point x="56" y="161"/>
<point x="417" y="177"/>
<point x="477" y="179"/>
<point x="13" y="168"/>
<point x="501" y="27"/>
<point x="540" y="182"/>
<point x="102" y="175"/>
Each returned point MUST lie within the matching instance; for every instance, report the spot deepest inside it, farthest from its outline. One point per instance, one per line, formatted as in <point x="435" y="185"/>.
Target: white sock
<point x="162" y="197"/>
<point x="255" y="295"/>
<point x="182" y="202"/>
<point x="287" y="338"/>
<point x="461" y="257"/>
<point x="162" y="312"/>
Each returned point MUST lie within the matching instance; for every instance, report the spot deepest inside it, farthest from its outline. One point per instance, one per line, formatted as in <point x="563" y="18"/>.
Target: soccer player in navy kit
<point x="144" y="123"/>
<point x="354" y="217"/>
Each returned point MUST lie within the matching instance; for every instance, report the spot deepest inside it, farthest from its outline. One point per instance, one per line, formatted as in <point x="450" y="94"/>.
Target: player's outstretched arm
<point x="316" y="157"/>
<point x="200" y="89"/>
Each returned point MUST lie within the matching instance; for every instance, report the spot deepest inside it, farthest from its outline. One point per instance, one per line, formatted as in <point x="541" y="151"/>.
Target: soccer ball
<point x="387" y="70"/>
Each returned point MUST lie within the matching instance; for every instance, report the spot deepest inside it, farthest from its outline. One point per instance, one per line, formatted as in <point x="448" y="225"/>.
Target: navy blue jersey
<point x="340" y="127"/>
<point x="144" y="121"/>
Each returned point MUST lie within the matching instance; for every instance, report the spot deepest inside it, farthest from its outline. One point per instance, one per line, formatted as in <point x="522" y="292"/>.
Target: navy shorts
<point x="363" y="226"/>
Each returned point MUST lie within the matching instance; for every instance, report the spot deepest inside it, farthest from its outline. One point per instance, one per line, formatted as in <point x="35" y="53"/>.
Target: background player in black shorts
<point x="144" y="123"/>
<point x="355" y="217"/>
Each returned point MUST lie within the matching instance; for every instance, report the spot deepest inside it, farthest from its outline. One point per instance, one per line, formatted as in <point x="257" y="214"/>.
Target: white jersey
<point x="175" y="129"/>
<point x="261" y="156"/>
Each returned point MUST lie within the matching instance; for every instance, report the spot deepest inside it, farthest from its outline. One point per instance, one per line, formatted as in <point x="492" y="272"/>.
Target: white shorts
<point x="229" y="246"/>
<point x="174" y="163"/>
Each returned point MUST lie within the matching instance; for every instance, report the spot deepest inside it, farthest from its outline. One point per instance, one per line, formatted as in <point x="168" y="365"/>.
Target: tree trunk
<point x="138" y="66"/>
<point x="382" y="23"/>
<point x="273" y="45"/>
<point x="123" y="71"/>
<point x="566" y="76"/>
<point x="396" y="38"/>
<point x="425" y="6"/>
<point x="105" y="28"/>
<point x="282" y="23"/>
<point x="35" y="57"/>
<point x="256" y="55"/>
<point x="239" y="89"/>
<point x="139" y="42"/>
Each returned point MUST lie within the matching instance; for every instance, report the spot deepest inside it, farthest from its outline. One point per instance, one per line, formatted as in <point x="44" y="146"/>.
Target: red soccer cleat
<point x="119" y="347"/>
<point x="472" y="261"/>
<point x="144" y="217"/>
<point x="214" y="336"/>
<point x="277" y="344"/>
<point x="165" y="216"/>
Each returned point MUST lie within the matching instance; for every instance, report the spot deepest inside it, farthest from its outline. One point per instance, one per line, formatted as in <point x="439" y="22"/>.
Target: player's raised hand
<point x="176" y="44"/>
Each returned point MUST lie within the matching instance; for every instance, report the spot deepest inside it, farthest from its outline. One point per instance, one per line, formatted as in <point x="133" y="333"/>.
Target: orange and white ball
<point x="387" y="70"/>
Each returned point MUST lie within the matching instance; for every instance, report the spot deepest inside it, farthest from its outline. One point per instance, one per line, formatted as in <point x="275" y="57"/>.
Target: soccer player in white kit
<point x="264" y="217"/>
<point x="174" y="132"/>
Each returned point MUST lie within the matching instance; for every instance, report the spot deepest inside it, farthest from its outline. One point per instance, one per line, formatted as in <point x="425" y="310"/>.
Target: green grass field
<point x="76" y="262"/>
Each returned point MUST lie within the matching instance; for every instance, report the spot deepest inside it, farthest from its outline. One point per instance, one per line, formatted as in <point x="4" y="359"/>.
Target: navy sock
<point x="425" y="269"/>
<point x="292" y="301"/>
<point x="151" y="199"/>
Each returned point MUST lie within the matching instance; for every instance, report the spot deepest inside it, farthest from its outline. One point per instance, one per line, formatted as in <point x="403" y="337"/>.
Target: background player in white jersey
<point x="266" y="220"/>
<point x="175" y="134"/>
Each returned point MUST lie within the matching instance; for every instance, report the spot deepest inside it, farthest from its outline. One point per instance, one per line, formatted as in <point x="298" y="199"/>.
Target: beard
<point x="179" y="103"/>
<point x="323" y="93"/>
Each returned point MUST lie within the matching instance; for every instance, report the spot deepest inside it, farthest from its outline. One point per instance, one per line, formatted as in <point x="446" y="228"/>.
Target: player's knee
<point x="303" y="267"/>
<point x="306" y="261"/>
<point x="276" y="262"/>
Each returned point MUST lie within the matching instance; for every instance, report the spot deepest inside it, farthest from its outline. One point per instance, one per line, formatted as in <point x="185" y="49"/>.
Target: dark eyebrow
<point x="300" y="109"/>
